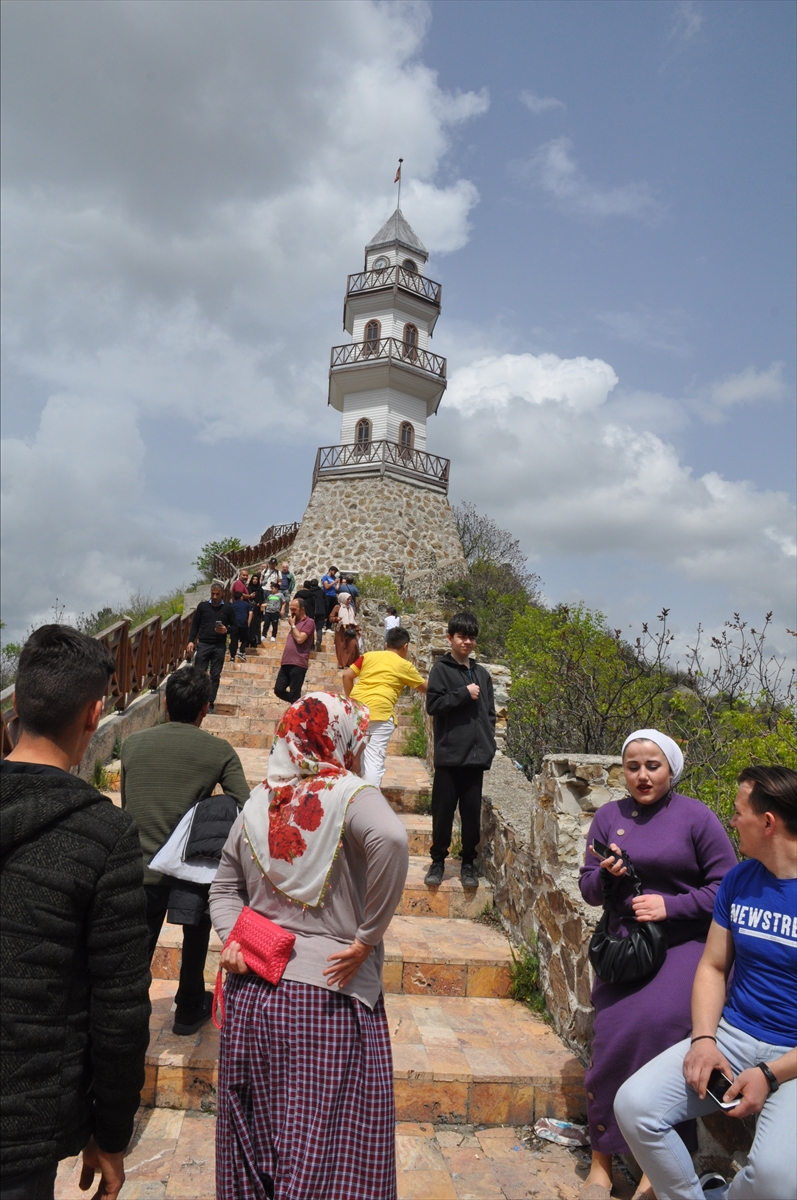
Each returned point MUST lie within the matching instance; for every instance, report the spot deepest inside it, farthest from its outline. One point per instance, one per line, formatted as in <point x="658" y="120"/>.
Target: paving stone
<point x="448" y="900"/>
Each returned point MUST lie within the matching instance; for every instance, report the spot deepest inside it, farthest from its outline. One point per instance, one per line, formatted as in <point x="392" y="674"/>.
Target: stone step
<point x="424" y="956"/>
<point x="450" y="899"/>
<point x="172" y="1153"/>
<point x="456" y="1061"/>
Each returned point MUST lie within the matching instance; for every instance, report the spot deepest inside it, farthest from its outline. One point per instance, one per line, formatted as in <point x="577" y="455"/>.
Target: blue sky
<point x="607" y="191"/>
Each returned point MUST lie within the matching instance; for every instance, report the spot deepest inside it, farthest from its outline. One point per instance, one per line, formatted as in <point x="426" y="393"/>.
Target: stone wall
<point x="380" y="526"/>
<point x="533" y="841"/>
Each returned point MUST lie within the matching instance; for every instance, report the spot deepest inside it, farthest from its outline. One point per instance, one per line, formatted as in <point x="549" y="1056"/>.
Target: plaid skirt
<point x="305" y="1103"/>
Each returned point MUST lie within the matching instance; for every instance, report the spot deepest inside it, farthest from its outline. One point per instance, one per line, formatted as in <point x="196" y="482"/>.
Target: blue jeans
<point x="657" y="1098"/>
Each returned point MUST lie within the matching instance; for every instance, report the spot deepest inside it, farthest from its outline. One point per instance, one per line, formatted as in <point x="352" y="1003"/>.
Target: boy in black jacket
<point x="74" y="969"/>
<point x="460" y="699"/>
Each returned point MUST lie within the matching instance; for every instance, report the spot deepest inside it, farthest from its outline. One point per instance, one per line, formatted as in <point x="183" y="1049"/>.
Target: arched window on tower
<point x="406" y="439"/>
<point x="410" y="266"/>
<point x="411" y="342"/>
<point x="373" y="332"/>
<point x="362" y="436"/>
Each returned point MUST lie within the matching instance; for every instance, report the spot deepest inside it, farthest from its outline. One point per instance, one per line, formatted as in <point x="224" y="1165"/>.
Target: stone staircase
<point x="473" y="1069"/>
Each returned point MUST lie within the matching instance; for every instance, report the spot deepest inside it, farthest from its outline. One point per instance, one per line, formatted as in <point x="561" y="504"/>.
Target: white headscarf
<point x="346" y="613"/>
<point x="670" y="749"/>
<point x="293" y="822"/>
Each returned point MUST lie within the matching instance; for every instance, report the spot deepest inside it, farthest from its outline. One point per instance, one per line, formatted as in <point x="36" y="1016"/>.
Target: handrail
<point x="379" y="458"/>
<point x="388" y="348"/>
<point x="275" y="539"/>
<point x="398" y="276"/>
<point x="143" y="657"/>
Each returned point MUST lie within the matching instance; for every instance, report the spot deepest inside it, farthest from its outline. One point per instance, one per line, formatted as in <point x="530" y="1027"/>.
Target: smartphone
<point x="717" y="1086"/>
<point x="603" y="850"/>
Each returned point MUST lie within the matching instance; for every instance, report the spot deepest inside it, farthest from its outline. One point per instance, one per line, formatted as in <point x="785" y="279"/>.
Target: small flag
<point x="398" y="172"/>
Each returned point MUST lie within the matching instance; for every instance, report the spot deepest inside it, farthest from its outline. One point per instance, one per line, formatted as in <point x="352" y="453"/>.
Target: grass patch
<point x="489" y="916"/>
<point x="424" y="804"/>
<point x="456" y="847"/>
<point x="415" y="740"/>
<point x="524" y="977"/>
<point x="103" y="779"/>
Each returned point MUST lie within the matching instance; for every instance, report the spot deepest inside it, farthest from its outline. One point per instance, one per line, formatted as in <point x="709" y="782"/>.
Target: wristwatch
<point x="770" y="1078"/>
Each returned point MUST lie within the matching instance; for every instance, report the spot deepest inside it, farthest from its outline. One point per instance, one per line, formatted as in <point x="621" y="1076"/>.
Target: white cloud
<point x="687" y="21"/>
<point x="750" y="386"/>
<point x="178" y="223"/>
<point x="577" y="479"/>
<point x="554" y="170"/>
<point x="540" y="104"/>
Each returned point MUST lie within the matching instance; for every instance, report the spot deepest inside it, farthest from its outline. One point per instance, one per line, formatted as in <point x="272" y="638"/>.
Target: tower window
<point x="362" y="435"/>
<point x="371" y="340"/>
<point x="409" y="265"/>
<point x="411" y="342"/>
<point x="406" y="438"/>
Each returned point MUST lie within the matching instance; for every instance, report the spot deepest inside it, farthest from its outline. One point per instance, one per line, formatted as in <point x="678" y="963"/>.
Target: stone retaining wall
<point x="380" y="526"/>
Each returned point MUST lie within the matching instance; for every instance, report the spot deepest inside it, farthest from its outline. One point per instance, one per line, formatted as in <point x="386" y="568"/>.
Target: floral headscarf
<point x="293" y="821"/>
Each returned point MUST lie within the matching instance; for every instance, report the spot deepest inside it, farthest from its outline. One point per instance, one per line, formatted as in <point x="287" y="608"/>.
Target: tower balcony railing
<point x="389" y="348"/>
<point x="396" y="276"/>
<point x="382" y="457"/>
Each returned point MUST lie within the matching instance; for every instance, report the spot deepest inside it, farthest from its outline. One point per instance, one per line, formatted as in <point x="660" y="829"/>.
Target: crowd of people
<point x="305" y="1096"/>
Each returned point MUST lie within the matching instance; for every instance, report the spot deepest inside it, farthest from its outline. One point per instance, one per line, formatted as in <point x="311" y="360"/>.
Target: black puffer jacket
<point x="74" y="970"/>
<point x="464" y="729"/>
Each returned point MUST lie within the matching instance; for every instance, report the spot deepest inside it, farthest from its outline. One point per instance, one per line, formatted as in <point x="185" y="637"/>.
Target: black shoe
<point x="185" y="1024"/>
<point x="469" y="876"/>
<point x="434" y="876"/>
<point x="212" y="708"/>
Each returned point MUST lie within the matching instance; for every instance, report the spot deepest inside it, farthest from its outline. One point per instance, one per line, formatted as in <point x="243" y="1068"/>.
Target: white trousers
<point x="658" y="1097"/>
<point x="379" y="733"/>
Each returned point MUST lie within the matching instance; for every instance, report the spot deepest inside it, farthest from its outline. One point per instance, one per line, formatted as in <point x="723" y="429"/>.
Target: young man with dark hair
<point x="329" y="583"/>
<point x="74" y="974"/>
<point x="460" y="701"/>
<point x="747" y="1030"/>
<point x="239" y="634"/>
<point x="296" y="655"/>
<point x="378" y="679"/>
<point x="165" y="771"/>
<point x="213" y="619"/>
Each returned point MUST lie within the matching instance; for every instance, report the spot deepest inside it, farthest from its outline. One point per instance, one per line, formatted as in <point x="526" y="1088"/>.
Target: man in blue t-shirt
<point x="329" y="583"/>
<point x="747" y="1031"/>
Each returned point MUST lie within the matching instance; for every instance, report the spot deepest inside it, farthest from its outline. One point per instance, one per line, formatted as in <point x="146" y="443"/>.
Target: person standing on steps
<point x="329" y="583"/>
<point x="460" y="701"/>
<point x="258" y="604"/>
<point x="287" y="584"/>
<point x="392" y="621"/>
<point x="165" y="771"/>
<point x="74" y="973"/>
<point x="378" y="679"/>
<point x="273" y="609"/>
<point x="319" y="610"/>
<point x="296" y="655"/>
<point x="212" y="621"/>
<point x="240" y="589"/>
<point x="239" y="634"/>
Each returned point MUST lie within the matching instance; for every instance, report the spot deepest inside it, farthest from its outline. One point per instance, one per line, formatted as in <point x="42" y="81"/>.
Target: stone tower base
<point x="380" y="526"/>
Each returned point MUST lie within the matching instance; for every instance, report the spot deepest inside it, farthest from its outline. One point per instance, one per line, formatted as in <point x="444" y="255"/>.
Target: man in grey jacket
<point x="460" y="700"/>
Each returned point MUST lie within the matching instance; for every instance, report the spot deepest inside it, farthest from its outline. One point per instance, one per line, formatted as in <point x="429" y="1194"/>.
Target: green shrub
<point x="379" y="587"/>
<point x="415" y="740"/>
<point x="524" y="977"/>
<point x="204" y="563"/>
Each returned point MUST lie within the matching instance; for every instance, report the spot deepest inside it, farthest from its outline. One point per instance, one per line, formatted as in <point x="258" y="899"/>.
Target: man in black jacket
<point x="74" y="970"/>
<point x="212" y="621"/>
<point x="459" y="697"/>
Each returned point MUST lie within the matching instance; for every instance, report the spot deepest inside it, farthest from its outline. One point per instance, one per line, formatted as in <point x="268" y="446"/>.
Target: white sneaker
<point x="273" y="639"/>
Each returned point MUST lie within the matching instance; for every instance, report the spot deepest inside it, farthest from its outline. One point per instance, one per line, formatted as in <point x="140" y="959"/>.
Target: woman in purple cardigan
<point x="681" y="853"/>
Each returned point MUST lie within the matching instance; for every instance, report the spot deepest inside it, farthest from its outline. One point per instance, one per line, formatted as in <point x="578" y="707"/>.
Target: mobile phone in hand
<point x="717" y="1086"/>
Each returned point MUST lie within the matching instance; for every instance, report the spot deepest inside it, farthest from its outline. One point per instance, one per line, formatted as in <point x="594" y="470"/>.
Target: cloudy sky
<point x="607" y="190"/>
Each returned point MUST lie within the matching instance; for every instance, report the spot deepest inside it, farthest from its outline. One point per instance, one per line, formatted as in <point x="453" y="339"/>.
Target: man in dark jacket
<point x="165" y="771"/>
<point x="74" y="971"/>
<point x="460" y="700"/>
<point x="213" y="619"/>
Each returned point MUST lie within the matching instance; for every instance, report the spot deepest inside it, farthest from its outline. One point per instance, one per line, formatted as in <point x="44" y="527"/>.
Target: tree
<point x="204" y="563"/>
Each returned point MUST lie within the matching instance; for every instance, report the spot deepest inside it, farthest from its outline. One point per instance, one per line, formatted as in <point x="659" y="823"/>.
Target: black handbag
<point x="626" y="959"/>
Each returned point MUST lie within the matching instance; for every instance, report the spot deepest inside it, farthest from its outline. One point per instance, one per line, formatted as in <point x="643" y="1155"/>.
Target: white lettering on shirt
<point x="747" y="919"/>
<point x="767" y="921"/>
<point x="755" y="917"/>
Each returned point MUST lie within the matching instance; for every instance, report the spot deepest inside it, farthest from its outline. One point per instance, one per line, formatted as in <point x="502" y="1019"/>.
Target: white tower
<point x="386" y="382"/>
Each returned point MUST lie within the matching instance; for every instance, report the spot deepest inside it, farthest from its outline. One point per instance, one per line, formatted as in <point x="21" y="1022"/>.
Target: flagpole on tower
<point x="398" y="181"/>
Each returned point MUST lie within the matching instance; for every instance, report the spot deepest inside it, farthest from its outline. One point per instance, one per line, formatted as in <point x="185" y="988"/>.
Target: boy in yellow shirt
<point x="377" y="679"/>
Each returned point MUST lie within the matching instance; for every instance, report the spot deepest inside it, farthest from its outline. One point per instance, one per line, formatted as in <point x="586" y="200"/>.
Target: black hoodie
<point x="74" y="969"/>
<point x="464" y="729"/>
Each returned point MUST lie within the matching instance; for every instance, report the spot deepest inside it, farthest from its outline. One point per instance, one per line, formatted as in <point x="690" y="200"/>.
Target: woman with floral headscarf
<point x="681" y="853"/>
<point x="305" y="1099"/>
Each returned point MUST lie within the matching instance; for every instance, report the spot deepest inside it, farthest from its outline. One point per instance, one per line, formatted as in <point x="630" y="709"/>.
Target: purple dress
<point x="681" y="852"/>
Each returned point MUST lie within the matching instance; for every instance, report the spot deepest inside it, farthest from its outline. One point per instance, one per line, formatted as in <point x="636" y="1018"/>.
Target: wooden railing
<point x="143" y="657"/>
<point x="382" y="458"/>
<point x="275" y="539"/>
<point x="396" y="276"/>
<point x="388" y="348"/>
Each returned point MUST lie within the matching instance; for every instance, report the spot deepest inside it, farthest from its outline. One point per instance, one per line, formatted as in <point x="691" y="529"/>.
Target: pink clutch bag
<point x="266" y="949"/>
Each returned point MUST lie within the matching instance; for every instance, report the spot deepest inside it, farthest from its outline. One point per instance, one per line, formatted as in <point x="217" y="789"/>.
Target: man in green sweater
<point x="165" y="771"/>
